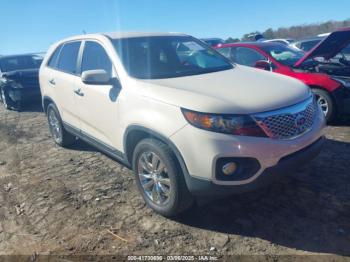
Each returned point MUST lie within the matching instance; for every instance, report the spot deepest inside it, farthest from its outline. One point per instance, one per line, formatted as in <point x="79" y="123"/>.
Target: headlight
<point x="240" y="125"/>
<point x="344" y="82"/>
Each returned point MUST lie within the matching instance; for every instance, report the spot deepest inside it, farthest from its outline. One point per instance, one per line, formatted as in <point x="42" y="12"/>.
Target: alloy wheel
<point x="322" y="102"/>
<point x="154" y="179"/>
<point x="55" y="126"/>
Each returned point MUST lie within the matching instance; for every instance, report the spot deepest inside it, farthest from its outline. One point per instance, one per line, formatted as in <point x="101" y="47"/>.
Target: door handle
<point x="52" y="82"/>
<point x="78" y="92"/>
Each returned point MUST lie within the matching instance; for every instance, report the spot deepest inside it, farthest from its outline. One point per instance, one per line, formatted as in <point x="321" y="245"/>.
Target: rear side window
<point x="95" y="57"/>
<point x="54" y="58"/>
<point x="68" y="57"/>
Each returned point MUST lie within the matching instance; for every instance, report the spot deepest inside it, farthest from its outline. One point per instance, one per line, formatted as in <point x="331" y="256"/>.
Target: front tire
<point x="326" y="103"/>
<point x="58" y="133"/>
<point x="160" y="179"/>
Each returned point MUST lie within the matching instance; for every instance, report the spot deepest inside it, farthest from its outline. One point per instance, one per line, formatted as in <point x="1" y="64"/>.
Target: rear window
<point x="23" y="62"/>
<point x="54" y="58"/>
<point x="68" y="57"/>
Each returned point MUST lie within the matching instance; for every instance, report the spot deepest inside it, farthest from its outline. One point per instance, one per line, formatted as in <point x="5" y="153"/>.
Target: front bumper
<point x="201" y="151"/>
<point x="342" y="98"/>
<point x="286" y="165"/>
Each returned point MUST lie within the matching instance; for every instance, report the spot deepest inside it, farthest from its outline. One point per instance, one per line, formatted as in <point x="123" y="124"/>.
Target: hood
<point x="21" y="74"/>
<point x="328" y="47"/>
<point x="242" y="90"/>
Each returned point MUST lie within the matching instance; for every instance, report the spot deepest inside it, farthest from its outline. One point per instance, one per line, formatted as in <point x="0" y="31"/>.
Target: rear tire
<point x="58" y="133"/>
<point x="4" y="99"/>
<point x="326" y="103"/>
<point x="160" y="179"/>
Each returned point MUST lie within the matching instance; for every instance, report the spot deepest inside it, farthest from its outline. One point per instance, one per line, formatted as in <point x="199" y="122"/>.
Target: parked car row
<point x="188" y="121"/>
<point x="322" y="69"/>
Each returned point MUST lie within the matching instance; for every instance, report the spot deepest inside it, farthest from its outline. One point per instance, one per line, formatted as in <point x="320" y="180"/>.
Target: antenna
<point x="84" y="32"/>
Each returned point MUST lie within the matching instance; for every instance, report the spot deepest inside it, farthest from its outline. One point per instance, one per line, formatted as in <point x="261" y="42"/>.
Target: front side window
<point x="68" y="57"/>
<point x="168" y="57"/>
<point x="284" y="54"/>
<point x="95" y="57"/>
<point x="23" y="62"/>
<point x="246" y="56"/>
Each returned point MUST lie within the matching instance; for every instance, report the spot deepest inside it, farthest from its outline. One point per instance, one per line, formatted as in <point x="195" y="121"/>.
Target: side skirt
<point x="106" y="149"/>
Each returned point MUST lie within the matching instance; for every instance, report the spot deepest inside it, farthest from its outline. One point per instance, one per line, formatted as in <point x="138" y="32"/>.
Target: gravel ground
<point x="78" y="201"/>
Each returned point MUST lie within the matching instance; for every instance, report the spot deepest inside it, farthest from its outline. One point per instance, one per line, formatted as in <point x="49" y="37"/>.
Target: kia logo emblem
<point x="300" y="121"/>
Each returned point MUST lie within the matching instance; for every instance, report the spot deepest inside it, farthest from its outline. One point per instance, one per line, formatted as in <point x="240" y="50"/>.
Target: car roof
<point x="119" y="35"/>
<point x="116" y="35"/>
<point x="310" y="39"/>
<point x="212" y="38"/>
<point x="278" y="39"/>
<point x="20" y="55"/>
<point x="256" y="44"/>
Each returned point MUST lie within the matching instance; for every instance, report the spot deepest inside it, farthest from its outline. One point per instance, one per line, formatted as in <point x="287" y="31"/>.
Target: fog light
<point x="229" y="168"/>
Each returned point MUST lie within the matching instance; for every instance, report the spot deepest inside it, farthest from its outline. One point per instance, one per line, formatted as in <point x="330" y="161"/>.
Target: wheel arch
<point x="332" y="96"/>
<point x="135" y="133"/>
<point x="46" y="101"/>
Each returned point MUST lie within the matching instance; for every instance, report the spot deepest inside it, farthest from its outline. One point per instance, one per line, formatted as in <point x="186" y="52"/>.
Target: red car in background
<point x="324" y="68"/>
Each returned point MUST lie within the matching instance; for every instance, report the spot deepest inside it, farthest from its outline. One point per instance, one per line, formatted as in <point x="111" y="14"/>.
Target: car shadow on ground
<point x="308" y="211"/>
<point x="81" y="145"/>
<point x="341" y="121"/>
<point x="32" y="107"/>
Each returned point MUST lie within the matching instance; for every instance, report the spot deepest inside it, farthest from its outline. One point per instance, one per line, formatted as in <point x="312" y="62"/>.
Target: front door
<point x="98" y="104"/>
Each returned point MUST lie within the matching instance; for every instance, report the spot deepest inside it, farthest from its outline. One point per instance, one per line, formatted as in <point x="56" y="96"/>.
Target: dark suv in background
<point x="19" y="80"/>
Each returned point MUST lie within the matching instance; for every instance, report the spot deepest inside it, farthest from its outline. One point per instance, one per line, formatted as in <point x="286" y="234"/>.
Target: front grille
<point x="288" y="122"/>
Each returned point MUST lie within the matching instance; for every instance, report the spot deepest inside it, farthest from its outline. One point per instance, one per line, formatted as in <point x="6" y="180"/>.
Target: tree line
<point x="295" y="32"/>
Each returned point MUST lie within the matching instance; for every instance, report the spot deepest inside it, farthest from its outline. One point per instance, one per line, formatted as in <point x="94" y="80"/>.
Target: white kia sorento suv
<point x="186" y="120"/>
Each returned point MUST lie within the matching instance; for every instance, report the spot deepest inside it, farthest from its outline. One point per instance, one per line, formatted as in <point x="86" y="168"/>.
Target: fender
<point x="190" y="181"/>
<point x="46" y="100"/>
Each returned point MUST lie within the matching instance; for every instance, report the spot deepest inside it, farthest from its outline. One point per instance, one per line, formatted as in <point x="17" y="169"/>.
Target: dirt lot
<point x="67" y="201"/>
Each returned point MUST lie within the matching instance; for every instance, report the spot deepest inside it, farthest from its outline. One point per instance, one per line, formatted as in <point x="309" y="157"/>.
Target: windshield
<point x="284" y="54"/>
<point x="168" y="56"/>
<point x="346" y="50"/>
<point x="12" y="63"/>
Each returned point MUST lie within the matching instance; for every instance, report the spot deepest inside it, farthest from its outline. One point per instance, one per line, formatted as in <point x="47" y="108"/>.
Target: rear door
<point x="63" y="81"/>
<point x="98" y="104"/>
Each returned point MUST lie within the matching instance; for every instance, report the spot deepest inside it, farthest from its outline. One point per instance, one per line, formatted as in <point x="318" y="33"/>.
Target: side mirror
<point x="262" y="64"/>
<point x="95" y="77"/>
